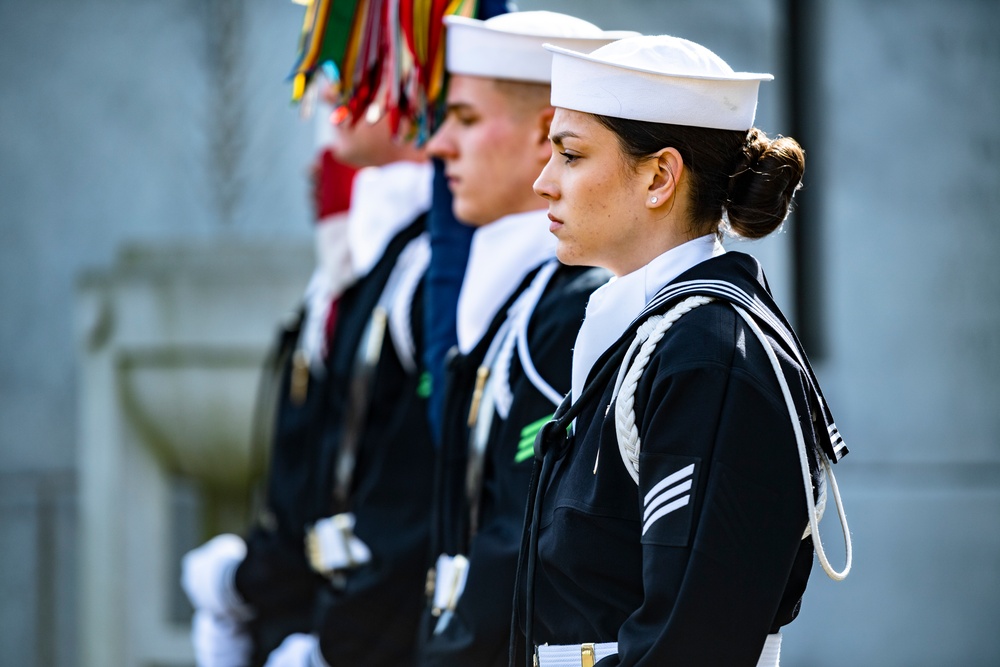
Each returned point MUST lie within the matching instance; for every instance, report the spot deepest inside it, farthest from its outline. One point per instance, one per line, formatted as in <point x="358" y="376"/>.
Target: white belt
<point x="450" y="574"/>
<point x="573" y="655"/>
<point x="587" y="655"/>
<point x="331" y="545"/>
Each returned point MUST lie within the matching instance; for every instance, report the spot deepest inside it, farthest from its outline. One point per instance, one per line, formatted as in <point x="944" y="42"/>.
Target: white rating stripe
<point x="667" y="489"/>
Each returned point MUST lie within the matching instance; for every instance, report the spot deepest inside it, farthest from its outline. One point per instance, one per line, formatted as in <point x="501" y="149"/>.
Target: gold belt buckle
<point x="314" y="550"/>
<point x="587" y="655"/>
<point x="343" y="525"/>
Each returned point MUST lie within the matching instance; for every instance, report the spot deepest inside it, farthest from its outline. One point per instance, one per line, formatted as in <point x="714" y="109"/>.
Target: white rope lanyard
<point x="648" y="335"/>
<point x="804" y="463"/>
<point x="646" y="339"/>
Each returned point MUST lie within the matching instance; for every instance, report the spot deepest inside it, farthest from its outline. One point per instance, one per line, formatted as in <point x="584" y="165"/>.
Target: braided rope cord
<point x="647" y="337"/>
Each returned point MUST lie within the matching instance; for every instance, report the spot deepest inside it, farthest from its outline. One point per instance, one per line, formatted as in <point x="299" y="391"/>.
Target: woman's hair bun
<point x="763" y="184"/>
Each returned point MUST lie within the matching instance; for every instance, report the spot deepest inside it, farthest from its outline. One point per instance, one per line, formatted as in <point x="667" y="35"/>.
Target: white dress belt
<point x="574" y="655"/>
<point x="587" y="655"/>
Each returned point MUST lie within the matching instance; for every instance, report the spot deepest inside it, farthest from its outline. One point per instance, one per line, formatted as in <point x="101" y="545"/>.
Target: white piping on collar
<point x="614" y="305"/>
<point x="502" y="254"/>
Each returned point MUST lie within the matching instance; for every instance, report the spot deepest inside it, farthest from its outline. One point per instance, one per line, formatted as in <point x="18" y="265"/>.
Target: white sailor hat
<point x="658" y="78"/>
<point x="509" y="46"/>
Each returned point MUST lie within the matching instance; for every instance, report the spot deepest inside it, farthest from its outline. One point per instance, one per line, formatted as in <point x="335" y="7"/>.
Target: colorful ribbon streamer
<point x="387" y="57"/>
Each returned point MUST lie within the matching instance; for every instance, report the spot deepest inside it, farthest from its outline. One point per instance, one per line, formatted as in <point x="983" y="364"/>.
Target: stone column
<point x="171" y="343"/>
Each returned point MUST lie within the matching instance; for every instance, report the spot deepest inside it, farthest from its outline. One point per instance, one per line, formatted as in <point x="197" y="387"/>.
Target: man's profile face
<point x="490" y="147"/>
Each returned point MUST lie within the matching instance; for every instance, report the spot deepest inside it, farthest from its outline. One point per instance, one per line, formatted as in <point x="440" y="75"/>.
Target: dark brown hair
<point x="742" y="174"/>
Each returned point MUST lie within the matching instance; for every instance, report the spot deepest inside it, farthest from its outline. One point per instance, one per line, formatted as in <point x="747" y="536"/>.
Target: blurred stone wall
<point x="121" y="123"/>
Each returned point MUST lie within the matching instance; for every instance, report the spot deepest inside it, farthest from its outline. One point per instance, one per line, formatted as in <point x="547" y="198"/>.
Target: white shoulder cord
<point x="804" y="461"/>
<point x="648" y="335"/>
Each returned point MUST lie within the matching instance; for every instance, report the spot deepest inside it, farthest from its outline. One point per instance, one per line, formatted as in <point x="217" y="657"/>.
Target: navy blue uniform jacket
<point x="700" y="560"/>
<point x="478" y="634"/>
<point x="371" y="617"/>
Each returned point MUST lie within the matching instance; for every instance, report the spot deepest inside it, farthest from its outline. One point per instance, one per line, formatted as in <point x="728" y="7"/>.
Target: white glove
<point x="298" y="650"/>
<point x="207" y="576"/>
<point x="219" y="641"/>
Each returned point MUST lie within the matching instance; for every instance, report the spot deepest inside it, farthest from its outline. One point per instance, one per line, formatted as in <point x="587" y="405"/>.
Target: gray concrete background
<point x="150" y="122"/>
<point x="121" y="123"/>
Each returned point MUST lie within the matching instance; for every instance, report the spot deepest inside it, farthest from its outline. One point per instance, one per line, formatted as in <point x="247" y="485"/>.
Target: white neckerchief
<point x="501" y="255"/>
<point x="614" y="305"/>
<point x="333" y="274"/>
<point x="384" y="200"/>
<point x="403" y="283"/>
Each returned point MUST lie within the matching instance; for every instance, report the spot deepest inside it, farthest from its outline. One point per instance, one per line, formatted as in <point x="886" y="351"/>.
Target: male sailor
<point x="519" y="310"/>
<point x="334" y="567"/>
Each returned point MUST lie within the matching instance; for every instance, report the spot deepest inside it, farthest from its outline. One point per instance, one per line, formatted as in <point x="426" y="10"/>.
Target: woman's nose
<point x="544" y="186"/>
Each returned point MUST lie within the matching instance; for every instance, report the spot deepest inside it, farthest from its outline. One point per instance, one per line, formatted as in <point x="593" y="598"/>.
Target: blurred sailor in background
<point x="344" y="533"/>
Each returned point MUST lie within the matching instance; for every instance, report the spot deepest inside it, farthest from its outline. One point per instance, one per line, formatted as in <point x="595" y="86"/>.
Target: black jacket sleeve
<point x="370" y="616"/>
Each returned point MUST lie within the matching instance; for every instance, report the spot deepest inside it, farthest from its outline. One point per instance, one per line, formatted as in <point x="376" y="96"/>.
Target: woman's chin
<point x="566" y="255"/>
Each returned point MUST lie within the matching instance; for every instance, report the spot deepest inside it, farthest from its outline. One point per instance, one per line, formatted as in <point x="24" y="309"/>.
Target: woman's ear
<point x="665" y="168"/>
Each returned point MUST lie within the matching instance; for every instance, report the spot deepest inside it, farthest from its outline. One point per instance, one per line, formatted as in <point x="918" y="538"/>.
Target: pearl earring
<point x="653" y="200"/>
